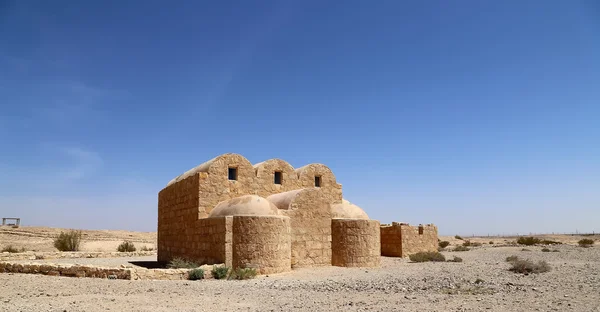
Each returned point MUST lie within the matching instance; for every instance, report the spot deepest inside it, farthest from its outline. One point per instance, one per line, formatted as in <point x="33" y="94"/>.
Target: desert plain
<point x="481" y="282"/>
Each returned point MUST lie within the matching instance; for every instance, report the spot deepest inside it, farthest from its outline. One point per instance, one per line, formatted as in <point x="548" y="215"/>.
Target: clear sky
<point x="478" y="116"/>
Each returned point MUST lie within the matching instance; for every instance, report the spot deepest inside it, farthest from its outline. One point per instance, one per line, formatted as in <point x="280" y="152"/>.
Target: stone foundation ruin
<point x="273" y="218"/>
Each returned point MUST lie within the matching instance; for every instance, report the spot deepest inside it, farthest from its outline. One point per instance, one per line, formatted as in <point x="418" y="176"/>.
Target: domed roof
<point x="247" y="205"/>
<point x="347" y="210"/>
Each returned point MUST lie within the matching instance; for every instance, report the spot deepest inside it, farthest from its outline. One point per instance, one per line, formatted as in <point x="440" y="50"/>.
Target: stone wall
<point x="265" y="182"/>
<point x="262" y="243"/>
<point x="210" y="241"/>
<point x="177" y="215"/>
<point x="355" y="243"/>
<point x="402" y="240"/>
<point x="65" y="270"/>
<point x="38" y="255"/>
<point x="310" y="219"/>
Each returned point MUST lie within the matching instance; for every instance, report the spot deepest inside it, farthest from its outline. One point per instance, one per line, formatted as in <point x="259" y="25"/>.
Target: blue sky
<point x="478" y="116"/>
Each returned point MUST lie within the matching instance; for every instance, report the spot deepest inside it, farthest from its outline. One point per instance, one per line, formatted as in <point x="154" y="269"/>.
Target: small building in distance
<point x="271" y="217"/>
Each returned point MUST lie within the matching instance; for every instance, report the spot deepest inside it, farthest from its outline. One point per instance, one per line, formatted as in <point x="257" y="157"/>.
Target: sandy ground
<point x="573" y="284"/>
<point x="41" y="238"/>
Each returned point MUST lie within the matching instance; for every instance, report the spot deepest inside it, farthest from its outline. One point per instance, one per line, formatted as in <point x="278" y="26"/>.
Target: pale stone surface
<point x="310" y="215"/>
<point x="402" y="240"/>
<point x="355" y="243"/>
<point x="347" y="210"/>
<point x="194" y="209"/>
<point x="262" y="243"/>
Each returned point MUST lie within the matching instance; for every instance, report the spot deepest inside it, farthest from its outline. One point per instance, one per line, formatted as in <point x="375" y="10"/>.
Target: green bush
<point x="69" y="241"/>
<point x="586" y="242"/>
<point x="528" y="241"/>
<point x="180" y="263"/>
<point x="126" y="246"/>
<point x="196" y="274"/>
<point x="458" y="237"/>
<point x="242" y="274"/>
<point x="219" y="272"/>
<point x="468" y="243"/>
<point x="461" y="248"/>
<point x="455" y="259"/>
<point x="12" y="249"/>
<point x="528" y="266"/>
<point x="443" y="244"/>
<point x="427" y="256"/>
<point x="545" y="250"/>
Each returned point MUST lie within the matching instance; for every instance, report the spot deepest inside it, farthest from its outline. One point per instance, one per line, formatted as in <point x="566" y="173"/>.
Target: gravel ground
<point x="573" y="284"/>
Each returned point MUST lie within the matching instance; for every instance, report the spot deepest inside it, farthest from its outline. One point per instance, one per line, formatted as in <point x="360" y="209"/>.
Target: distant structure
<point x="272" y="217"/>
<point x="16" y="222"/>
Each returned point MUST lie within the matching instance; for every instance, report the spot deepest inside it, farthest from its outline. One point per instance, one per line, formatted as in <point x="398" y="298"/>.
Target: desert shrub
<point x="479" y="281"/>
<point x="555" y="250"/>
<point x="586" y="242"/>
<point x="512" y="258"/>
<point x="468" y="243"/>
<point x="458" y="237"/>
<point x="461" y="248"/>
<point x="196" y="274"/>
<point x="180" y="263"/>
<point x="545" y="250"/>
<point x="146" y="248"/>
<point x="525" y="249"/>
<point x="527" y="266"/>
<point x="491" y="243"/>
<point x="443" y="244"/>
<point x="455" y="259"/>
<point x="427" y="256"/>
<point x="549" y="242"/>
<point x="12" y="249"/>
<point x="126" y="246"/>
<point x="68" y="241"/>
<point x="242" y="274"/>
<point x="219" y="272"/>
<point x="528" y="241"/>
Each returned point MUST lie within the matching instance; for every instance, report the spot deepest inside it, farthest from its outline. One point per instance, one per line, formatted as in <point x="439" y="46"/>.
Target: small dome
<point x="347" y="210"/>
<point x="247" y="205"/>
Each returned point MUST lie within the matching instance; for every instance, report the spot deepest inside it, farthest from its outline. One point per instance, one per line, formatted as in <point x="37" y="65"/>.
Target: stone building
<point x="268" y="216"/>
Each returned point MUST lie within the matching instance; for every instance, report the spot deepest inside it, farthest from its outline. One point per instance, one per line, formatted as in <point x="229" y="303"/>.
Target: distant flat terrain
<point x="41" y="238"/>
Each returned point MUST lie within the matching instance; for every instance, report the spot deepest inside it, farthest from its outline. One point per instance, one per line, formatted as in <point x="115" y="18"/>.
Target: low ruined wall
<point x="65" y="270"/>
<point x="38" y="255"/>
<point x="355" y="243"/>
<point x="402" y="240"/>
<point x="391" y="240"/>
<point x="414" y="241"/>
<point x="262" y="242"/>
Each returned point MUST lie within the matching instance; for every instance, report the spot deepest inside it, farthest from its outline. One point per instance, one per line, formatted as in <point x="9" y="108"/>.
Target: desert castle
<point x="273" y="217"/>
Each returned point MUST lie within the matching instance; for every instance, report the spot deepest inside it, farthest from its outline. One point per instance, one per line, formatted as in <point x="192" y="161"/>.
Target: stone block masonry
<point x="262" y="243"/>
<point x="402" y="240"/>
<point x="355" y="243"/>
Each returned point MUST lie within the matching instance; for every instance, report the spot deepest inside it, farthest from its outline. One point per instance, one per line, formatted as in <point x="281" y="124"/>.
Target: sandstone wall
<point x="65" y="270"/>
<point x="355" y="243"/>
<point x="402" y="240"/>
<point x="310" y="219"/>
<point x="265" y="172"/>
<point x="210" y="241"/>
<point x="262" y="243"/>
<point x="329" y="185"/>
<point x="177" y="215"/>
